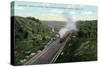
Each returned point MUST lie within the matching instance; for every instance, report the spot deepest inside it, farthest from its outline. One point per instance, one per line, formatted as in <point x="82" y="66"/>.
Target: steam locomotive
<point x="62" y="39"/>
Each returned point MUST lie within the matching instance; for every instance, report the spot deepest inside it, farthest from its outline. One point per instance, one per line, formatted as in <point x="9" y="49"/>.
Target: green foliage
<point x="82" y="45"/>
<point x="30" y="36"/>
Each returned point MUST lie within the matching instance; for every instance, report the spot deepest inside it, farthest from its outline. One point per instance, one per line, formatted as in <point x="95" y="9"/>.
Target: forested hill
<point x="30" y="36"/>
<point x="82" y="45"/>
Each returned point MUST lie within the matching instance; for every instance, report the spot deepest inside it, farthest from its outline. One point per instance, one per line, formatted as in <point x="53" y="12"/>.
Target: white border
<point x="5" y="33"/>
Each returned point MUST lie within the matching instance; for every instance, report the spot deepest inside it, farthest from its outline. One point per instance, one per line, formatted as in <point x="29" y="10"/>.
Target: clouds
<point x="18" y="8"/>
<point x="88" y="13"/>
<point x="54" y="12"/>
<point x="72" y="12"/>
<point x="82" y="13"/>
<point x="57" y="10"/>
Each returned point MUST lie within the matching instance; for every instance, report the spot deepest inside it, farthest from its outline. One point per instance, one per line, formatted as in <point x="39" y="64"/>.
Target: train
<point x="62" y="35"/>
<point x="65" y="35"/>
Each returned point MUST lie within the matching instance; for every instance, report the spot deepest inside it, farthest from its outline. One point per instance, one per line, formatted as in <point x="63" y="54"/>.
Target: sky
<point x="51" y="11"/>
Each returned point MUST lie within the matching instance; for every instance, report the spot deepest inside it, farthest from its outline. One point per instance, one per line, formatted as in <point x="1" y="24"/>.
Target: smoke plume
<point x="69" y="26"/>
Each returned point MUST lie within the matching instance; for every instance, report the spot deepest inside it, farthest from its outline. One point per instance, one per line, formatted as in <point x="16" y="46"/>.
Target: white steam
<point x="69" y="26"/>
<point x="70" y="23"/>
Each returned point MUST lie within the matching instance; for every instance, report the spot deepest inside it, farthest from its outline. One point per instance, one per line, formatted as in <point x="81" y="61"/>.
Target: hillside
<point x="82" y="45"/>
<point x="30" y="37"/>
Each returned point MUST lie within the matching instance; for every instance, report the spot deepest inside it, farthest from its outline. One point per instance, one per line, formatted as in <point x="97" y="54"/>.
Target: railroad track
<point x="49" y="54"/>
